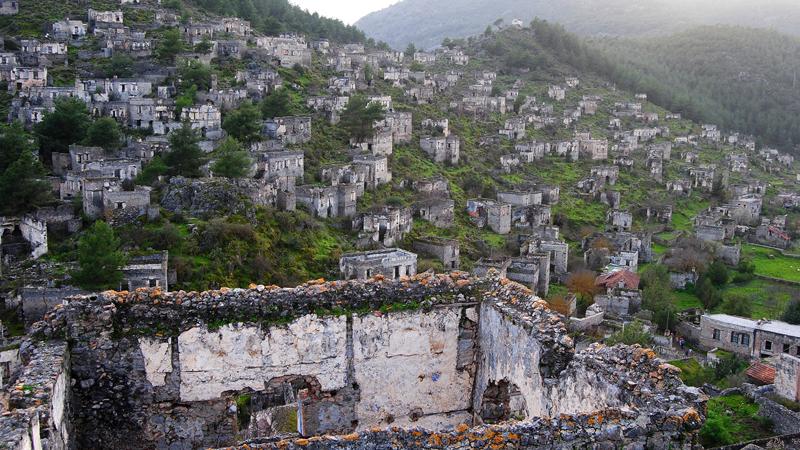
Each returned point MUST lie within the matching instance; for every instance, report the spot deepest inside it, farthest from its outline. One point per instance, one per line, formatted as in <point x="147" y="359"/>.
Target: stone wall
<point x="189" y="370"/>
<point x="37" y="415"/>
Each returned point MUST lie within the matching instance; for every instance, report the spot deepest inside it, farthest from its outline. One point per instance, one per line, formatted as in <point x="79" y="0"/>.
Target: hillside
<point x="743" y="79"/>
<point x="267" y="16"/>
<point x="427" y="22"/>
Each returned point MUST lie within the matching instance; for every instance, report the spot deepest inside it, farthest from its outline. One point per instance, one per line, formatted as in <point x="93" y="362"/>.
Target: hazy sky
<point x="348" y="11"/>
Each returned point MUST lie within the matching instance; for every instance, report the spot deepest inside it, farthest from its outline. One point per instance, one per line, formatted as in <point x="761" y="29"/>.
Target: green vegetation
<point x="359" y="117"/>
<point x="727" y="373"/>
<point x="732" y="419"/>
<point x="739" y="78"/>
<point x="771" y="263"/>
<point x="279" y="16"/>
<point x="244" y="123"/>
<point x="185" y="156"/>
<point x="104" y="132"/>
<point x="632" y="333"/>
<point x="66" y="125"/>
<point x="99" y="258"/>
<point x="232" y="160"/>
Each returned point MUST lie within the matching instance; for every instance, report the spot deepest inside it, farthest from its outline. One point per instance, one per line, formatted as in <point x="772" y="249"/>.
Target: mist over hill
<point x="426" y="22"/>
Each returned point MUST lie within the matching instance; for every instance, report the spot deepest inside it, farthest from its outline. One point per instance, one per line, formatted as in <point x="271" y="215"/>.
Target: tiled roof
<point x="762" y="373"/>
<point x="630" y="279"/>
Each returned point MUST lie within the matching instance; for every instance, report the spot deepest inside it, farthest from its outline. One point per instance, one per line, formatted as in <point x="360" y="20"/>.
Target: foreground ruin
<point x="481" y="363"/>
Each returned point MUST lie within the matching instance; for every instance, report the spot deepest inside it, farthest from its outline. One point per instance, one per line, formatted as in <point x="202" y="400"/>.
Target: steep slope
<point x="740" y="78"/>
<point x="427" y="22"/>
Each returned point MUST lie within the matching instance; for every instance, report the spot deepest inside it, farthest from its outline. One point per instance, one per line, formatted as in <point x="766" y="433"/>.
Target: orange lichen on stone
<point x="461" y="428"/>
<point x="350" y="437"/>
<point x="378" y="277"/>
<point x="692" y="416"/>
<point x="461" y="283"/>
<point x="301" y="442"/>
<point x="512" y="436"/>
<point x="435" y="439"/>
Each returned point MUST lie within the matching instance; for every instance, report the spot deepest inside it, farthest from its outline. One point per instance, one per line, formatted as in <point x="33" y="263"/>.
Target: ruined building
<point x="445" y="361"/>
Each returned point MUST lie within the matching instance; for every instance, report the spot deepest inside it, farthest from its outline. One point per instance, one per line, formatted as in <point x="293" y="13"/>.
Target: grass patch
<point x="771" y="263"/>
<point x="733" y="419"/>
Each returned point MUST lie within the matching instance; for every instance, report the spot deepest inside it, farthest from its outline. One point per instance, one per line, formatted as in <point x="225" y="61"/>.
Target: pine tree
<point x="170" y="46"/>
<point x="22" y="185"/>
<point x="66" y="125"/>
<point x="185" y="156"/>
<point x="99" y="259"/>
<point x="233" y="161"/>
<point x="244" y="123"/>
<point x="104" y="132"/>
<point x="14" y="140"/>
<point x="359" y="117"/>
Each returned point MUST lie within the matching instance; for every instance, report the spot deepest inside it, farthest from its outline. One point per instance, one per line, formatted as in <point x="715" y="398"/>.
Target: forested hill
<point x="740" y="78"/>
<point x="267" y="16"/>
<point x="278" y="16"/>
<point x="426" y="22"/>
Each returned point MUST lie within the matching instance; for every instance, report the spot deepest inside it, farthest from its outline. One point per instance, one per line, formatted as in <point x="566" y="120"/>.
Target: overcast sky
<point x="348" y="11"/>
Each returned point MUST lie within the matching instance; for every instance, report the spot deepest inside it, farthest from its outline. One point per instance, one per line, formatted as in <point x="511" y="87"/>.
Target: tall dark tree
<point x="99" y="259"/>
<point x="244" y="123"/>
<point x="22" y="185"/>
<point x="232" y="160"/>
<point x="13" y="141"/>
<point x="359" y="117"/>
<point x="170" y="45"/>
<point x="185" y="157"/>
<point x="104" y="132"/>
<point x="66" y="125"/>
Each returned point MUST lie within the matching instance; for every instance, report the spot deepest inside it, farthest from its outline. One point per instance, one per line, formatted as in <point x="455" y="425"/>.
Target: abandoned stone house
<point x="711" y="133"/>
<point x="618" y="220"/>
<point x="236" y="26"/>
<point x="620" y="302"/>
<point x="621" y="260"/>
<point x="289" y="130"/>
<point x="514" y="128"/>
<point x="679" y="187"/>
<point x="710" y="233"/>
<point x="611" y="198"/>
<point x="386" y="226"/>
<point x="288" y="49"/>
<point x="23" y="79"/>
<point x="22" y="238"/>
<point x="557" y="93"/>
<point x="749" y="338"/>
<point x="483" y="105"/>
<point x="532" y="271"/>
<point x="662" y="214"/>
<point x="484" y="266"/>
<point x="703" y="177"/>
<point x="424" y="57"/>
<point x="103" y="20"/>
<point x="146" y="271"/>
<point x="444" y="250"/>
<point x="594" y="149"/>
<point x="396" y="74"/>
<point x="442" y="149"/>
<point x="328" y="202"/>
<point x="68" y="29"/>
<point x="521" y="198"/>
<point x="205" y="118"/>
<point x="772" y="236"/>
<point x="375" y="170"/>
<point x="737" y="163"/>
<point x="655" y="165"/>
<point x="259" y="81"/>
<point x="286" y="167"/>
<point x="438" y="211"/>
<point x="588" y="107"/>
<point x="558" y="250"/>
<point x="610" y="174"/>
<point x="510" y="162"/>
<point x="390" y="263"/>
<point x="331" y="106"/>
<point x="532" y="151"/>
<point x="436" y="186"/>
<point x="496" y="215"/>
<point x="400" y="124"/>
<point x="9" y="7"/>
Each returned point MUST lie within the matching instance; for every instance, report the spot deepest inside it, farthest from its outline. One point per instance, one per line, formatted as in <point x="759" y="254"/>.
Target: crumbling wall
<point x="190" y="370"/>
<point x="37" y="415"/>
